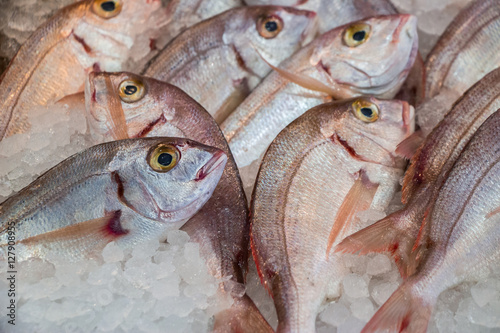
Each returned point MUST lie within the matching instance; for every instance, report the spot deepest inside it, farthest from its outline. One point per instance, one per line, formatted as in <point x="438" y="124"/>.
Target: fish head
<point x="167" y="179"/>
<point x="368" y="57"/>
<point x="369" y="128"/>
<point x="269" y="32"/>
<point x="149" y="107"/>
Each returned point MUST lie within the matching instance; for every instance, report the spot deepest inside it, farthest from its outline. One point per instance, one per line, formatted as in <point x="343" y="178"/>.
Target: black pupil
<point x="271" y="26"/>
<point x="367" y="112"/>
<point x="359" y="36"/>
<point x="108" y="6"/>
<point x="130" y="90"/>
<point x="165" y="159"/>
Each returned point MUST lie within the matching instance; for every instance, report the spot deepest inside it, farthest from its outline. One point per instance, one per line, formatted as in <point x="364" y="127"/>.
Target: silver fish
<point x="332" y="162"/>
<point x="124" y="191"/>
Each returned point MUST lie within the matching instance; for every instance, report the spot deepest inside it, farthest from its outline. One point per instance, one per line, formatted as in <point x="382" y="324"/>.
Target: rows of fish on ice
<point x="299" y="98"/>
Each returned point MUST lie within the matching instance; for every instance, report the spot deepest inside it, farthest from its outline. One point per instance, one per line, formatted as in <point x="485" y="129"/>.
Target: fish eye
<point x="269" y="26"/>
<point x="131" y="90"/>
<point x="356" y="34"/>
<point x="365" y="111"/>
<point x="107" y="8"/>
<point x="163" y="158"/>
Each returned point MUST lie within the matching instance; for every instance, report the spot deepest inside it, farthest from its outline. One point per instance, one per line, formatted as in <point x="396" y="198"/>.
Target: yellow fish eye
<point x="107" y="8"/>
<point x="356" y="34"/>
<point x="131" y="90"/>
<point x="365" y="111"/>
<point x="269" y="26"/>
<point x="163" y="157"/>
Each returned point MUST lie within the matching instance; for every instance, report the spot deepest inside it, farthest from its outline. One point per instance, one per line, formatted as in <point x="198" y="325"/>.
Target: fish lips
<point x="217" y="162"/>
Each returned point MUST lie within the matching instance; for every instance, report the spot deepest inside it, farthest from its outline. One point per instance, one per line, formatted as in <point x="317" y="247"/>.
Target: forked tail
<point x="405" y="311"/>
<point x="395" y="234"/>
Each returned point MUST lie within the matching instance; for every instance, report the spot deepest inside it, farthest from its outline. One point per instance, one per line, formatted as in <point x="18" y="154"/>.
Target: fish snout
<point x="408" y="116"/>
<point x="407" y="25"/>
<point x="217" y="162"/>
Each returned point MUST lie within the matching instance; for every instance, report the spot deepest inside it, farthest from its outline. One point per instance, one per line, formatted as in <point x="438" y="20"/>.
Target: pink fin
<point x="382" y="236"/>
<point x="404" y="311"/>
<point x="102" y="229"/>
<point x="310" y="83"/>
<point x="242" y="317"/>
<point x="359" y="198"/>
<point x="116" y="115"/>
<point x="408" y="147"/>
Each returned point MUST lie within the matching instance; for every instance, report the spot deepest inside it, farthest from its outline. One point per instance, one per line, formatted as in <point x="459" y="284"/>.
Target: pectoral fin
<point x="359" y="198"/>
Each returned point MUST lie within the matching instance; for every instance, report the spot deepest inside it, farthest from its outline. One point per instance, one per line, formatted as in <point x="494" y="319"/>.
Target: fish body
<point x="317" y="174"/>
<point x="429" y="167"/>
<point x="464" y="228"/>
<point x="218" y="61"/>
<point x="55" y="60"/>
<point x="124" y="191"/>
<point x="467" y="51"/>
<point x="221" y="227"/>
<point x="334" y="13"/>
<point x="376" y="67"/>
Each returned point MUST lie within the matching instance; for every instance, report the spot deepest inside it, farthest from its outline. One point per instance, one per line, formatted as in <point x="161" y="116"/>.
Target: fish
<point x="398" y="233"/>
<point x="334" y="13"/>
<point x="217" y="61"/>
<point x="54" y="61"/>
<point x="221" y="227"/>
<point x="467" y="51"/>
<point x="332" y="162"/>
<point x="463" y="228"/>
<point x="126" y="191"/>
<point x="334" y="65"/>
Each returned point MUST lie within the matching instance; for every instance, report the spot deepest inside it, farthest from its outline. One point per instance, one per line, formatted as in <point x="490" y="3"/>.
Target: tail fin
<point x="395" y="233"/>
<point x="242" y="317"/>
<point x="404" y="311"/>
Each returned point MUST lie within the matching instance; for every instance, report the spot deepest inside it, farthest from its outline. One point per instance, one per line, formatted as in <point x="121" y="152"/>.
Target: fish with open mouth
<point x="463" y="229"/>
<point x="217" y="62"/>
<point x="153" y="108"/>
<point x="54" y="61"/>
<point x="368" y="57"/>
<point x="329" y="164"/>
<point x="125" y="191"/>
<point x="398" y="233"/>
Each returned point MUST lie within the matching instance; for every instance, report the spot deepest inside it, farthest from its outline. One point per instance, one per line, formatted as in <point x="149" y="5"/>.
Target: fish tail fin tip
<point x="404" y="311"/>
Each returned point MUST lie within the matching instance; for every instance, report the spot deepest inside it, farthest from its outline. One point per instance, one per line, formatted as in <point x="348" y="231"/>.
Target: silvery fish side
<point x="154" y="108"/>
<point x="124" y="191"/>
<point x="218" y="61"/>
<point x="339" y="66"/>
<point x="467" y="50"/>
<point x="55" y="60"/>
<point x="463" y="228"/>
<point x="397" y="233"/>
<point x="329" y="164"/>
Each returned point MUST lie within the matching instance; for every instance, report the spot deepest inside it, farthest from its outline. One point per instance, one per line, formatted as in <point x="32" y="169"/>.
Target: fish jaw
<point x="380" y="65"/>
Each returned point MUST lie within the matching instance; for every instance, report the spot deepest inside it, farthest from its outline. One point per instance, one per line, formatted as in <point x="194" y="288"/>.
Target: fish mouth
<point x="408" y="115"/>
<point x="219" y="158"/>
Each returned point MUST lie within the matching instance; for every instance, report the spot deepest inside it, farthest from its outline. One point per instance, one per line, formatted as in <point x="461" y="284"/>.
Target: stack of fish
<point x="180" y="99"/>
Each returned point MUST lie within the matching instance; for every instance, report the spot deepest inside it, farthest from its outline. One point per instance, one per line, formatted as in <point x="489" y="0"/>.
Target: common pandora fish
<point x="218" y="61"/>
<point x="463" y="230"/>
<point x="153" y="108"/>
<point x="124" y="191"/>
<point x="331" y="163"/>
<point x="398" y="232"/>
<point x="369" y="57"/>
<point x="467" y="50"/>
<point x="54" y="61"/>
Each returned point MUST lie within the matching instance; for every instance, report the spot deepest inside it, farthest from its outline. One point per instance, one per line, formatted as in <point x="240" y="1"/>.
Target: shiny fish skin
<point x="334" y="13"/>
<point x="221" y="227"/>
<point x="115" y="178"/>
<point x="377" y="67"/>
<point x="54" y="61"/>
<point x="467" y="50"/>
<point x="431" y="163"/>
<point x="217" y="61"/>
<point x="464" y="228"/>
<point x="306" y="177"/>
